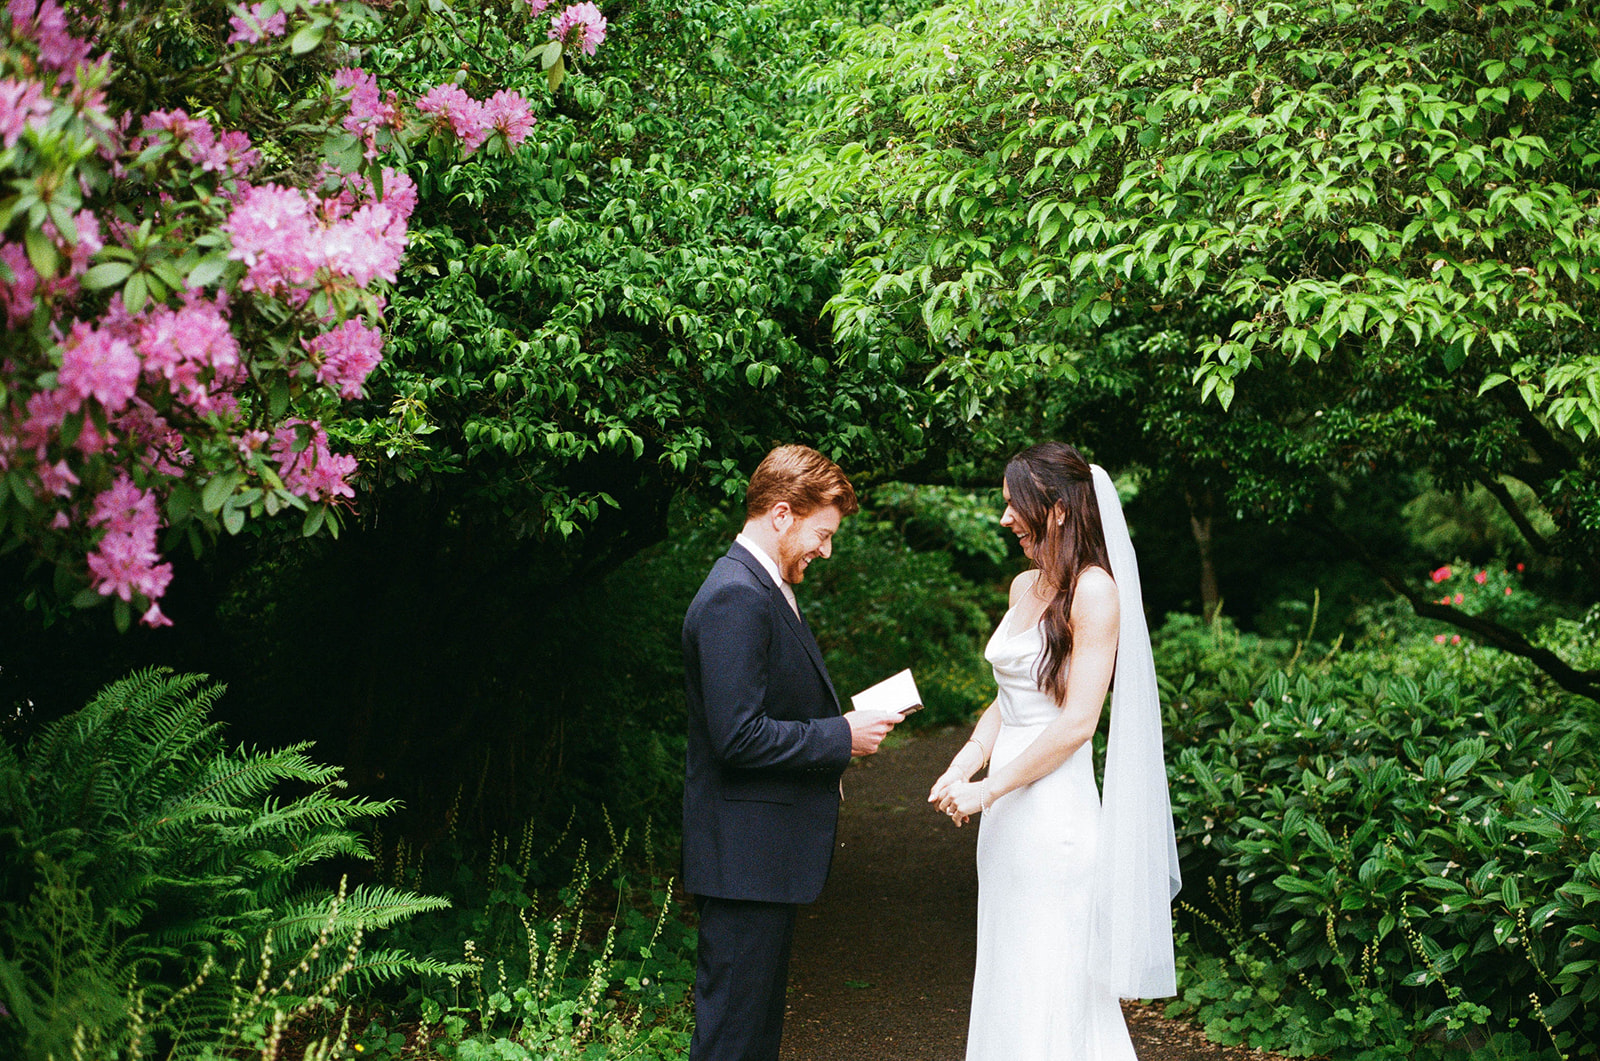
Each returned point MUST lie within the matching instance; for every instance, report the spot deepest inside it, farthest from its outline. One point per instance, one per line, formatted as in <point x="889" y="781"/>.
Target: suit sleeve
<point x="734" y="637"/>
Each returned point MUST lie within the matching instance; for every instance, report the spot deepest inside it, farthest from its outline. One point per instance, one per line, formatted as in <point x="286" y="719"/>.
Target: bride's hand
<point x="962" y="800"/>
<point x="951" y="776"/>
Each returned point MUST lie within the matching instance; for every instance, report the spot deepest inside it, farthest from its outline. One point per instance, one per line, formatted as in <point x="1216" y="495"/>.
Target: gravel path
<point x="882" y="967"/>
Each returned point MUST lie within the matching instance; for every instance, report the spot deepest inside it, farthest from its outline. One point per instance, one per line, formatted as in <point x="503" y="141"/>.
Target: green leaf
<point x="278" y="403"/>
<point x="233" y="519"/>
<point x="106" y="274"/>
<point x="208" y="270"/>
<point x="219" y="489"/>
<point x="308" y="37"/>
<point x="314" y="519"/>
<point x="550" y="55"/>
<point x="134" y="293"/>
<point x="41" y="253"/>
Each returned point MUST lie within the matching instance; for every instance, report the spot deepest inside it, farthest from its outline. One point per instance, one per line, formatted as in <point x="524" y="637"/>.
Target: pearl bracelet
<point x="985" y="801"/>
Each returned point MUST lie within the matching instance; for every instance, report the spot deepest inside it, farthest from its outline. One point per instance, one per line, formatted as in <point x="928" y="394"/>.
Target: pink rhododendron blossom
<point x="1460" y="598"/>
<point x="279" y="236"/>
<point x="89" y="243"/>
<point x="45" y="23"/>
<point x="377" y="239"/>
<point x="126" y="509"/>
<point x="228" y="153"/>
<point x="314" y="473"/>
<point x="124" y="564"/>
<point x="1481" y="577"/>
<point x="271" y="229"/>
<point x="252" y="25"/>
<point x="153" y="617"/>
<point x="125" y="561"/>
<point x="1519" y="567"/>
<point x="1455" y="639"/>
<point x="20" y="294"/>
<point x="23" y="104"/>
<point x="1440" y="639"/>
<point x="346" y="355"/>
<point x="97" y="364"/>
<point x="370" y="110"/>
<point x="399" y="193"/>
<point x="45" y="410"/>
<point x="192" y="348"/>
<point x="57" y="479"/>
<point x="1508" y="591"/>
<point x="463" y="114"/>
<point x="586" y="20"/>
<point x="1441" y="574"/>
<point x="508" y="114"/>
<point x="537" y="6"/>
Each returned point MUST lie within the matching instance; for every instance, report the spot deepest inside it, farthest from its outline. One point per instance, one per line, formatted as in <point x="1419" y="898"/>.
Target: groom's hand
<point x="867" y="730"/>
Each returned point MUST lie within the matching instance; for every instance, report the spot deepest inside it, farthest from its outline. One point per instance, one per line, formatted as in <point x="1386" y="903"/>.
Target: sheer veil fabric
<point x="1130" y="934"/>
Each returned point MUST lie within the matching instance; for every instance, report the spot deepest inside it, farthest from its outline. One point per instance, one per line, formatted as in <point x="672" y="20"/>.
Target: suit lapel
<point x="791" y="617"/>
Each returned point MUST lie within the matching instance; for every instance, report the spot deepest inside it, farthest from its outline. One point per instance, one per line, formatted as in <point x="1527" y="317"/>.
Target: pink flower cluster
<point x="21" y="291"/>
<point x="44" y="22"/>
<point x="291" y="242"/>
<point x="125" y="560"/>
<point x="581" y="25"/>
<point x="228" y="153"/>
<point x="23" y="105"/>
<point x="370" y="109"/>
<point x="472" y="122"/>
<point x="345" y="356"/>
<point x="193" y="349"/>
<point x="252" y="25"/>
<point x="314" y="472"/>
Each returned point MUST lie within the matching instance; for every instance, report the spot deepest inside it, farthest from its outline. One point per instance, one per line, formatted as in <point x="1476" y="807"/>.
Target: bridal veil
<point x="1130" y="934"/>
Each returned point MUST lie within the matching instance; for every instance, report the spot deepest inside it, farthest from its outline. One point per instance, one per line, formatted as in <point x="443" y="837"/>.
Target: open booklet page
<point x="897" y="693"/>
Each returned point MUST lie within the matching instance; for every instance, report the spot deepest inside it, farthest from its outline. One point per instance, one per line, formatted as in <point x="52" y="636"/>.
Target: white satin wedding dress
<point x="1032" y="996"/>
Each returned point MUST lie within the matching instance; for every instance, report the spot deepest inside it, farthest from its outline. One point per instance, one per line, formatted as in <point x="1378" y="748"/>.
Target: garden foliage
<point x="1402" y="845"/>
<point x="149" y="875"/>
<point x="192" y="267"/>
<point x="1366" y="229"/>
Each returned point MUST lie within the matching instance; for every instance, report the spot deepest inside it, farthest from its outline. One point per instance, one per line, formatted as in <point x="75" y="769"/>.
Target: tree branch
<point x="1581" y="682"/>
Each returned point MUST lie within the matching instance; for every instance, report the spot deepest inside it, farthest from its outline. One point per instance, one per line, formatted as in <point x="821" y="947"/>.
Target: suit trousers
<point x="741" y="979"/>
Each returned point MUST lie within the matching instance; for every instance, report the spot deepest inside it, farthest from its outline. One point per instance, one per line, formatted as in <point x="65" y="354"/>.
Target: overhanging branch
<point x="1581" y="682"/>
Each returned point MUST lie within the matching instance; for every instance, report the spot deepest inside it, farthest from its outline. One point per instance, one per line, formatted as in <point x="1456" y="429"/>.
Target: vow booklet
<point x="896" y="693"/>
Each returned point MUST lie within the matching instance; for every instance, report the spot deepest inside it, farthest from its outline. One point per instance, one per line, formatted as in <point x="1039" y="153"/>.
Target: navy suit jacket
<point x="767" y="742"/>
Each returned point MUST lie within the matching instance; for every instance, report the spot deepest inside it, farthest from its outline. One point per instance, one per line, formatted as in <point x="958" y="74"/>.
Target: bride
<point x="1074" y="895"/>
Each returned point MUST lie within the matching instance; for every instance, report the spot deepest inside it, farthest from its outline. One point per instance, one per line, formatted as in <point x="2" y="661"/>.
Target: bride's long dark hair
<point x="1043" y="480"/>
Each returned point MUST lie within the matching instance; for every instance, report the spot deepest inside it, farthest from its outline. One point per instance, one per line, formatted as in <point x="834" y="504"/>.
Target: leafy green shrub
<point x="141" y="861"/>
<point x="1403" y="863"/>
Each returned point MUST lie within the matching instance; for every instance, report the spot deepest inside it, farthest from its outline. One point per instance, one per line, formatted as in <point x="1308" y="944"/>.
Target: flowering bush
<point x="188" y="310"/>
<point x="1492" y="591"/>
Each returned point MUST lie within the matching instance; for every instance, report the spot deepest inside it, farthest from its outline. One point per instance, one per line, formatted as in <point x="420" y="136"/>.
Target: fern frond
<point x="369" y="906"/>
<point x="381" y="966"/>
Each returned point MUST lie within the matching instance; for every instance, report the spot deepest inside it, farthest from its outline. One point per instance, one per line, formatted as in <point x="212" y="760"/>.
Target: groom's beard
<point x="791" y="564"/>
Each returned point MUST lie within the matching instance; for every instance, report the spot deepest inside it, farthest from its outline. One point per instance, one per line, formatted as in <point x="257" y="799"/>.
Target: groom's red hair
<point x="804" y="478"/>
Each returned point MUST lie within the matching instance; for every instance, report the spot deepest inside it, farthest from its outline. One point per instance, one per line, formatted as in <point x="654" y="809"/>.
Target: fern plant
<point x="141" y="861"/>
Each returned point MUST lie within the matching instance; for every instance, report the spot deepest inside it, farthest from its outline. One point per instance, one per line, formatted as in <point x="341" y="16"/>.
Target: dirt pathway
<point x="882" y="967"/>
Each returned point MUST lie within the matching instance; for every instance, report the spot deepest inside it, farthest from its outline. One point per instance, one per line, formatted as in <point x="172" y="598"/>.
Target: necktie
<point x="788" y="595"/>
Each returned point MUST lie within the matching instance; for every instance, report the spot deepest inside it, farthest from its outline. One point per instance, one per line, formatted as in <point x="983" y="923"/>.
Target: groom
<point x="767" y="744"/>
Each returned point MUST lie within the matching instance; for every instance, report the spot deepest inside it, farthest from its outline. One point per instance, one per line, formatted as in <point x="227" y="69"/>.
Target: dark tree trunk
<point x="1201" y="508"/>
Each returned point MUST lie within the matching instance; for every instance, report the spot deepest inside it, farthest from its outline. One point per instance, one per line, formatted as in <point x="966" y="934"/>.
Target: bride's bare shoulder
<point x="1022" y="584"/>
<point x="1095" y="595"/>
